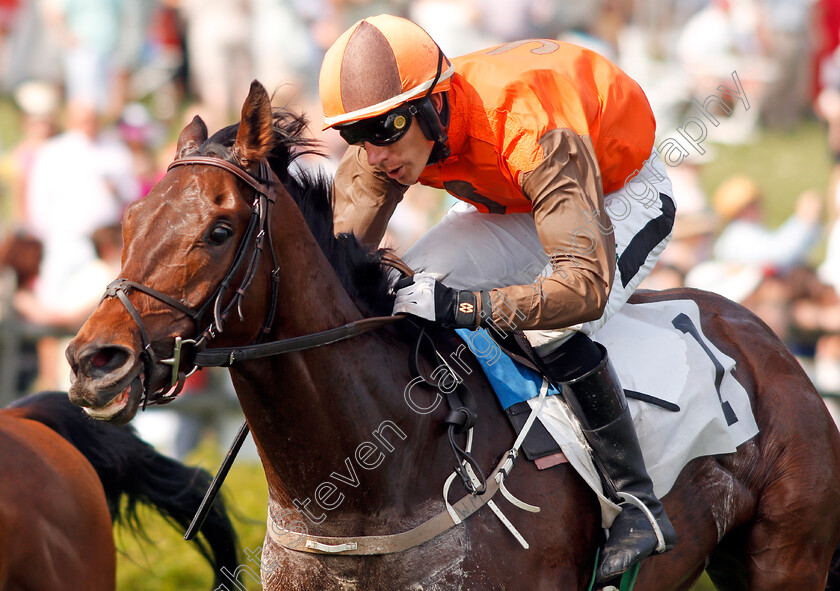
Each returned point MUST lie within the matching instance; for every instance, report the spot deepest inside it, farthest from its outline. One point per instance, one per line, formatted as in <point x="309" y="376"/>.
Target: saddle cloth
<point x="658" y="349"/>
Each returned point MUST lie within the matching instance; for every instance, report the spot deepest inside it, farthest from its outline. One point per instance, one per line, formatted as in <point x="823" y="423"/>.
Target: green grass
<point x="165" y="562"/>
<point x="782" y="163"/>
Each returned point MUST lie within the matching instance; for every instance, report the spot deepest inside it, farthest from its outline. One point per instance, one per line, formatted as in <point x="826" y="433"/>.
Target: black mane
<point x="358" y="267"/>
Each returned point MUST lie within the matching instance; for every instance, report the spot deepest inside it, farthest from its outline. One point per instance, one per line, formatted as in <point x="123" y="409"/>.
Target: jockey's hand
<point x="426" y="297"/>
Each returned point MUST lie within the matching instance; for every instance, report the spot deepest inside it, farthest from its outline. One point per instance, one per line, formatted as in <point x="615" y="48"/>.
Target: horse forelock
<point x="358" y="267"/>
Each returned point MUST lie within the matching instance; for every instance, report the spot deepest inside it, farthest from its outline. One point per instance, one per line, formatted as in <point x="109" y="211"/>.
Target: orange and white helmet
<point x="378" y="64"/>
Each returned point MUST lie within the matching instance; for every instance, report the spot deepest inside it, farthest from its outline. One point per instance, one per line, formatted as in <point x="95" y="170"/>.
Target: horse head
<point x="192" y="254"/>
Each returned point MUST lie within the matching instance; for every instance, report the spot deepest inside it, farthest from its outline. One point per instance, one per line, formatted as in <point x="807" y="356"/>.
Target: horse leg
<point x="791" y="543"/>
<point x="728" y="563"/>
<point x="691" y="506"/>
<point x="780" y="559"/>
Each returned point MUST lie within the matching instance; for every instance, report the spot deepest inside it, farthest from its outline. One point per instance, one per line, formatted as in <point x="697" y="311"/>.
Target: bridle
<point x="256" y="239"/>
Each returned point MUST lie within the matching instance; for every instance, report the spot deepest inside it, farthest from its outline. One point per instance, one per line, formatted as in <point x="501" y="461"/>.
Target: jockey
<point x="566" y="208"/>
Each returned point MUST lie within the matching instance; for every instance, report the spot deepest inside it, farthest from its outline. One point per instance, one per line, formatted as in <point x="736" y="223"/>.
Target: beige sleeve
<point x="363" y="198"/>
<point x="565" y="189"/>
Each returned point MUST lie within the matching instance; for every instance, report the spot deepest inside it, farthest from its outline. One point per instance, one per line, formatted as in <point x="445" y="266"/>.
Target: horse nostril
<point x="101" y="358"/>
<point x="106" y="359"/>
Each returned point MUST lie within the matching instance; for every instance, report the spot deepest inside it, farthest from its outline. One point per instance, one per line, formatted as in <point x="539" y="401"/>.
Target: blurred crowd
<point x="97" y="91"/>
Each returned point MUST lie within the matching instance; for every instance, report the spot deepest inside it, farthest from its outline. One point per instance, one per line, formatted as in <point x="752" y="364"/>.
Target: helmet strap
<point x="433" y="123"/>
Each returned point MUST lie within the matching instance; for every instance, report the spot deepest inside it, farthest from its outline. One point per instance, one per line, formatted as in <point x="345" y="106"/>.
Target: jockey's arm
<point x="364" y="198"/>
<point x="568" y="208"/>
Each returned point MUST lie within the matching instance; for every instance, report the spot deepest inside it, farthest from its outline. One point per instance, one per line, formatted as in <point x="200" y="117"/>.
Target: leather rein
<point x="257" y="239"/>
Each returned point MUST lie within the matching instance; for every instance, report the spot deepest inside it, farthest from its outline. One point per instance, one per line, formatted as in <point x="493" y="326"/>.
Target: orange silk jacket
<point x="535" y="126"/>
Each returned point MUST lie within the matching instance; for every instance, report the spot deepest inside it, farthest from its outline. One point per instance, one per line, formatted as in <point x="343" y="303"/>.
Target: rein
<point x="225" y="357"/>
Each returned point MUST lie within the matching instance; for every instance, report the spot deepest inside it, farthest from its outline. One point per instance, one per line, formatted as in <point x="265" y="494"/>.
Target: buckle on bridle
<point x="116" y="286"/>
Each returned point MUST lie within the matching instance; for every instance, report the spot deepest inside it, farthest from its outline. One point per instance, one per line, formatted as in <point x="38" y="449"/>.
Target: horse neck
<point x="311" y="296"/>
<point x="312" y="412"/>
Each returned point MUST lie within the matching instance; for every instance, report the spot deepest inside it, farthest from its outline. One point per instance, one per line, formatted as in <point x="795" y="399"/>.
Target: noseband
<point x="257" y="233"/>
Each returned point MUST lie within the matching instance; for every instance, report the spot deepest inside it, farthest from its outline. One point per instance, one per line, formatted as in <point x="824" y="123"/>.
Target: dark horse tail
<point x="129" y="467"/>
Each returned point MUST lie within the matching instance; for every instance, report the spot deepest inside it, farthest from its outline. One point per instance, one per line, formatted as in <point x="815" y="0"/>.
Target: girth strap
<point x="453" y="515"/>
<point x="390" y="543"/>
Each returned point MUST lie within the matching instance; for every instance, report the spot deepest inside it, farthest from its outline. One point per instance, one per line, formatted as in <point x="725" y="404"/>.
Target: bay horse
<point x="67" y="479"/>
<point x="235" y="247"/>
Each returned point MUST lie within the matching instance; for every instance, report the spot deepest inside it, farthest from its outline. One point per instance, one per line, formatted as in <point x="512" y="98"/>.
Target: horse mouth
<point x="122" y="408"/>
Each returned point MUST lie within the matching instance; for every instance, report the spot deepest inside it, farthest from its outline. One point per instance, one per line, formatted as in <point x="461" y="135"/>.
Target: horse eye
<point x="219" y="234"/>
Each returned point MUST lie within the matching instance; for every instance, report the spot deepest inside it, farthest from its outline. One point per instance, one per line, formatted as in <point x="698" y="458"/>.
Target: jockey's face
<point x="403" y="160"/>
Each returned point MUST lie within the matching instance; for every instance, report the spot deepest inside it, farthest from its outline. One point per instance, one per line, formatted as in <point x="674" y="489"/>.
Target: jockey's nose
<point x="375" y="154"/>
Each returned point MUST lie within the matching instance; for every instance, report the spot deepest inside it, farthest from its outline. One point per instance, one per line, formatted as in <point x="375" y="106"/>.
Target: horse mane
<point x="357" y="266"/>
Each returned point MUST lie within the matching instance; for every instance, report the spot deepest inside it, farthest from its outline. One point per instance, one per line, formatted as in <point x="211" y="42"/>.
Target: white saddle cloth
<point x="654" y="357"/>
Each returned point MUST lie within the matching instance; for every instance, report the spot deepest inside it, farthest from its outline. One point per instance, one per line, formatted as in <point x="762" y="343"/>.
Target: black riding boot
<point x="597" y="399"/>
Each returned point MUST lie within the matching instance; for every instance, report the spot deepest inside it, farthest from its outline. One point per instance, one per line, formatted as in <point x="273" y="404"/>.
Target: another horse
<point x="66" y="477"/>
<point x="347" y="452"/>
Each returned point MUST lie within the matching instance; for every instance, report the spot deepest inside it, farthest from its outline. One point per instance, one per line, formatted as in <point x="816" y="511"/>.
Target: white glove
<point x="417" y="299"/>
<point x="425" y="297"/>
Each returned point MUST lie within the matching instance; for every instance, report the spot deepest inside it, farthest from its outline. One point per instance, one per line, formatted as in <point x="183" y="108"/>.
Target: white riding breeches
<point x="468" y="249"/>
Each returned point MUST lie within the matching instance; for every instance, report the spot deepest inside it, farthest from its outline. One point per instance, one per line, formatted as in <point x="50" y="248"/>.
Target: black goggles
<point x="379" y="131"/>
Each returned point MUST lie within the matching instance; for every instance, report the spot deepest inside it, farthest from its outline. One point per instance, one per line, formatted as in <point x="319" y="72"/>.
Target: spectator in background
<point x="746" y="240"/>
<point x="752" y="264"/>
<point x="143" y="137"/>
<point x="83" y="290"/>
<point x="419" y="210"/>
<point x="826" y="33"/>
<point x="218" y="38"/>
<point x="38" y="103"/>
<point x="89" y="32"/>
<point x="133" y="45"/>
<point x="727" y="36"/>
<point x="27" y="50"/>
<point x="827" y="108"/>
<point x="65" y="315"/>
<point x="81" y="180"/>
<point x="20" y="256"/>
<point x="283" y="48"/>
<point x="791" y="45"/>
<point x="455" y="25"/>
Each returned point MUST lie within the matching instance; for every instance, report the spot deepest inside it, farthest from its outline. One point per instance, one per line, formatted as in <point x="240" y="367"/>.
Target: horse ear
<point x="255" y="137"/>
<point x="191" y="138"/>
